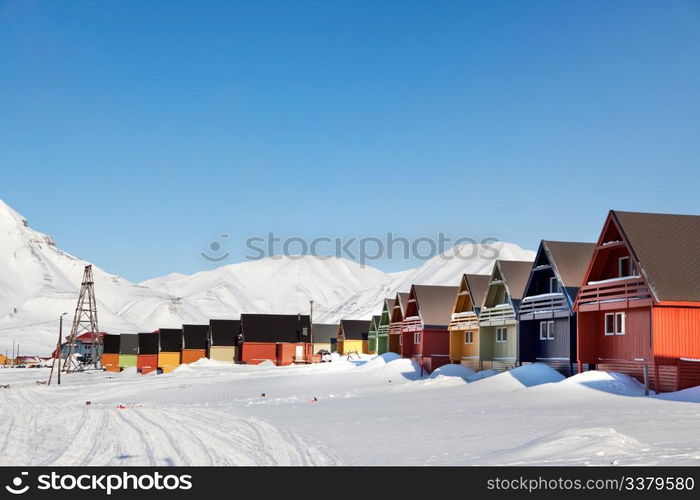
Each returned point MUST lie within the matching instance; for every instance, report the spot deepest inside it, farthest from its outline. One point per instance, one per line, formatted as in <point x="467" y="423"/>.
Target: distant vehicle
<point x="325" y="356"/>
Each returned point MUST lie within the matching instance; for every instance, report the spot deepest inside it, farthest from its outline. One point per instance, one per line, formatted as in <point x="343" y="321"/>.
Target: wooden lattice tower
<point x="85" y="321"/>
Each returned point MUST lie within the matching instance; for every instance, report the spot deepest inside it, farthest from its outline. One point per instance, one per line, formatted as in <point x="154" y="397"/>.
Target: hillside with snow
<point x="39" y="282"/>
<point x="281" y="285"/>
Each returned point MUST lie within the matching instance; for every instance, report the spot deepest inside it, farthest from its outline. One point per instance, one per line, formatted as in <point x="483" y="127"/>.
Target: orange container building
<point x="638" y="309"/>
<point x="170" y="349"/>
<point x="195" y="342"/>
<point x="281" y="338"/>
<point x="110" y="353"/>
<point x="147" y="359"/>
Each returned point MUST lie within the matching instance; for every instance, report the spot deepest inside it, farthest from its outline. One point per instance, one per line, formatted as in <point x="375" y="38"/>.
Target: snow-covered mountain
<point x="274" y="285"/>
<point x="38" y="282"/>
<point x="444" y="269"/>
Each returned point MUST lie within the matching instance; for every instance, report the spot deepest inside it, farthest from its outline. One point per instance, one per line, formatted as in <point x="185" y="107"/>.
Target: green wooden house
<point x="498" y="317"/>
<point x="383" y="328"/>
<point x="372" y="335"/>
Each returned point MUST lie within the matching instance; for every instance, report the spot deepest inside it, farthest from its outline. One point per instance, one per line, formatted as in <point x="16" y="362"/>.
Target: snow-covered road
<point x="376" y="412"/>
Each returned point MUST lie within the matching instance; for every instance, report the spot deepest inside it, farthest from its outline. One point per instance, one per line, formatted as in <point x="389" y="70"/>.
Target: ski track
<point x="41" y="431"/>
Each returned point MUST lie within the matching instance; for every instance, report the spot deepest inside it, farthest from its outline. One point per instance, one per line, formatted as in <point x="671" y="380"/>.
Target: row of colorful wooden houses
<point x="629" y="303"/>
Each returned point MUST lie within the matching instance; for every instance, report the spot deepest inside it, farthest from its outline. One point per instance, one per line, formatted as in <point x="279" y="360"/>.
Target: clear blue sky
<point x="136" y="132"/>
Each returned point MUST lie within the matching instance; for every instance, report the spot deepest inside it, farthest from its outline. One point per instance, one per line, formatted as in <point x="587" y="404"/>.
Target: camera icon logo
<point x="215" y="247"/>
<point x="16" y="488"/>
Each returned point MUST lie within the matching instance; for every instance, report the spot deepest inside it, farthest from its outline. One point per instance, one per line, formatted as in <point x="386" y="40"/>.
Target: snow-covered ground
<point x="375" y="411"/>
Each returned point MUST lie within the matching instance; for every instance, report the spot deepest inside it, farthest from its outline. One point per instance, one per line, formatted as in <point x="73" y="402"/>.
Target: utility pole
<point x="311" y="321"/>
<point x="85" y="321"/>
<point x="58" y="351"/>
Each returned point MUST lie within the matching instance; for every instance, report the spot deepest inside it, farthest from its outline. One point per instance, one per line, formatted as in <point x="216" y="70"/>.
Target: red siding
<point x="146" y="363"/>
<point x="595" y="347"/>
<point x="287" y="353"/>
<point x="432" y="352"/>
<point x="254" y="353"/>
<point x="436" y="347"/>
<point x="408" y="348"/>
<point x="688" y="374"/>
<point x="667" y="375"/>
<point x="676" y="333"/>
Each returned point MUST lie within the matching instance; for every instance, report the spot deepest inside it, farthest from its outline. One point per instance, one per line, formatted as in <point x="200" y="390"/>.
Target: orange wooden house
<point x="464" y="325"/>
<point x="638" y="309"/>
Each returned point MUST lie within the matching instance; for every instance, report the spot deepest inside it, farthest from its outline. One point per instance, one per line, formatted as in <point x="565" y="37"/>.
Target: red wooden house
<point x="638" y="309"/>
<point x="426" y="338"/>
<point x="283" y="339"/>
<point x="395" y="333"/>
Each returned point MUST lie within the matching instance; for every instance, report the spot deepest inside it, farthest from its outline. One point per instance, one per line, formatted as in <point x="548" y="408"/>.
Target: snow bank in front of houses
<point x="453" y="370"/>
<point x="516" y="379"/>
<point x="691" y="395"/>
<point x="614" y="383"/>
<point x="583" y="446"/>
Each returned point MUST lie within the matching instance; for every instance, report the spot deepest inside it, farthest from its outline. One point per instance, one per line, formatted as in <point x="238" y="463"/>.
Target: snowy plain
<point x="374" y="411"/>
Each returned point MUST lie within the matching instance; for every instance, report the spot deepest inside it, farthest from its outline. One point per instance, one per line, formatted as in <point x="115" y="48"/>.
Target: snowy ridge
<point x="39" y="282"/>
<point x="445" y="269"/>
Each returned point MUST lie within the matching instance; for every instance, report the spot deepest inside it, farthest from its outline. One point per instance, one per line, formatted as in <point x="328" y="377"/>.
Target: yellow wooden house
<point x="353" y="336"/>
<point x="464" y="324"/>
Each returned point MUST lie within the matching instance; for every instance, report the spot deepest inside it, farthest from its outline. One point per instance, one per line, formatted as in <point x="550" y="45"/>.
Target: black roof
<point x="110" y="344"/>
<point x="195" y="336"/>
<point x="148" y="343"/>
<point x="224" y="332"/>
<point x="275" y="327"/>
<point x="129" y="343"/>
<point x="170" y="339"/>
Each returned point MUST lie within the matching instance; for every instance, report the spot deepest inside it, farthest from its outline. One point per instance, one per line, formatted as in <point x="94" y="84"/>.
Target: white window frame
<point x="501" y="335"/>
<point x="627" y="267"/>
<point x="553" y="285"/>
<point x="622" y="315"/>
<point x="547" y="330"/>
<point x="416" y="338"/>
<point x="605" y="324"/>
<point x="468" y="337"/>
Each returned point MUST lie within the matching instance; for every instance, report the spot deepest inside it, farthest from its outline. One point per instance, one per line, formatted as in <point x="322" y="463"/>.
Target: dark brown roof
<point x="389" y="305"/>
<point x="354" y="329"/>
<point x="515" y="274"/>
<point x="435" y="303"/>
<point x="668" y="249"/>
<point x="478" y="286"/>
<point x="403" y="300"/>
<point x="374" y="324"/>
<point x="570" y="260"/>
